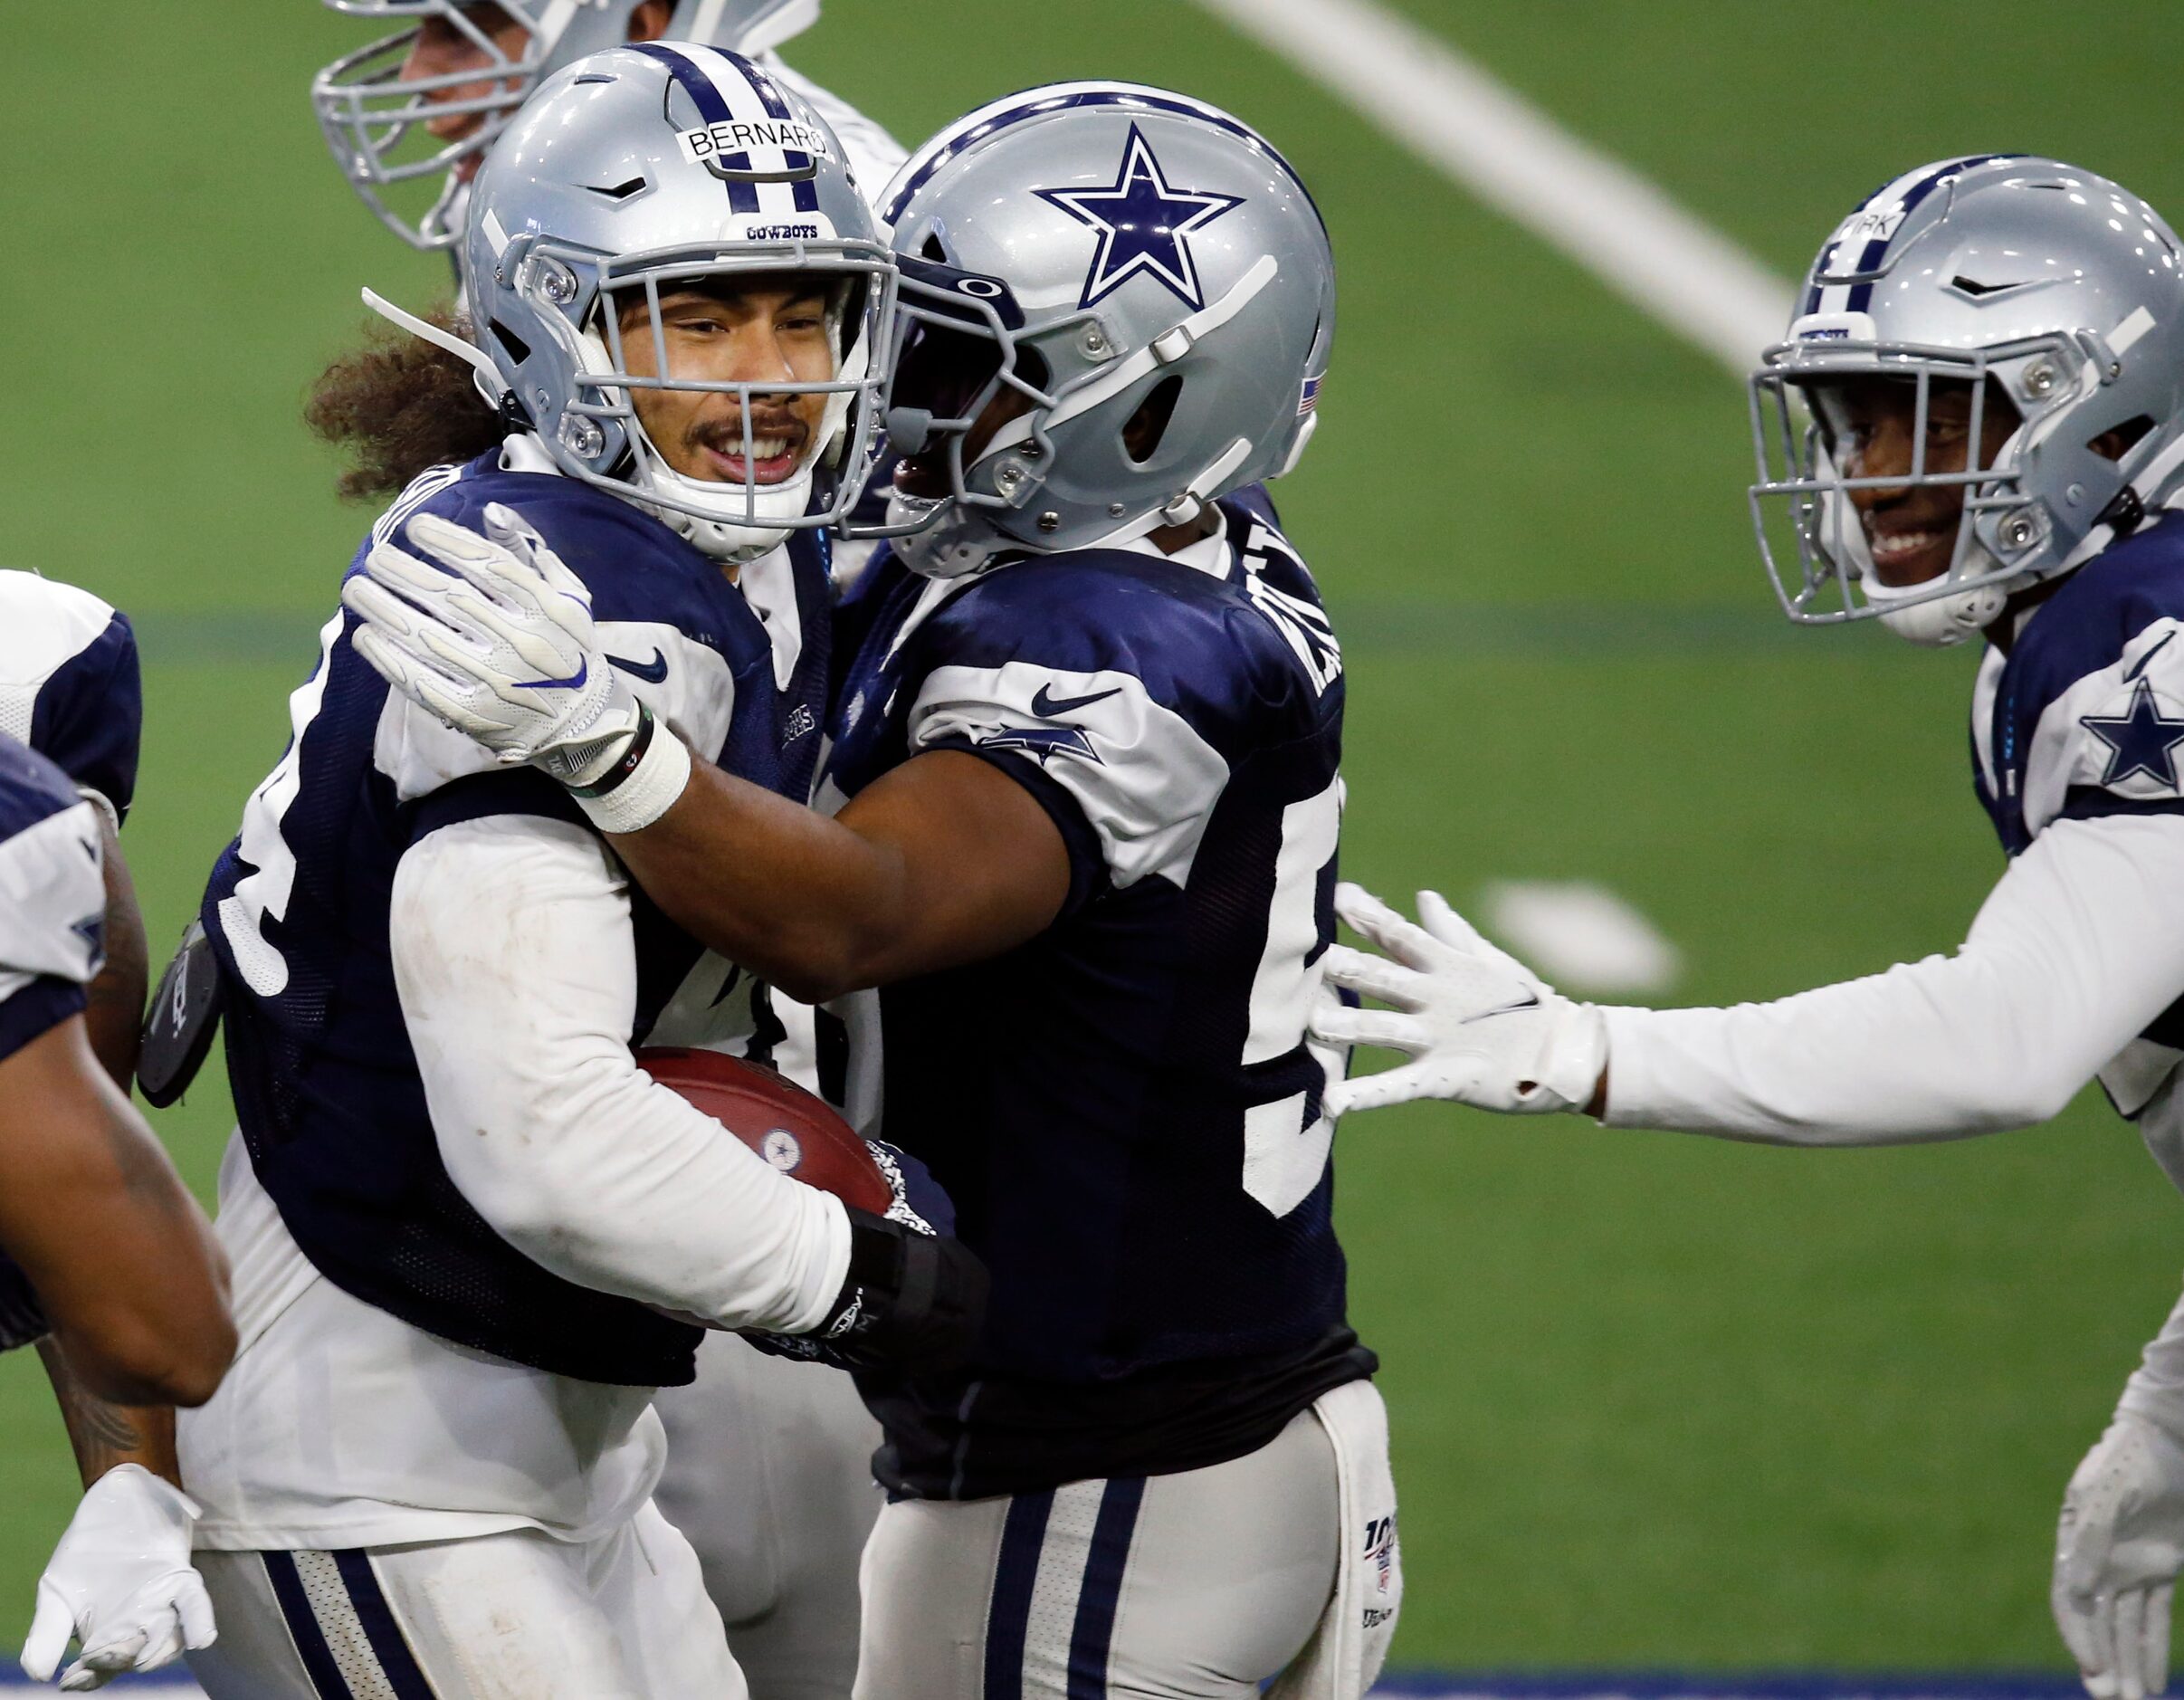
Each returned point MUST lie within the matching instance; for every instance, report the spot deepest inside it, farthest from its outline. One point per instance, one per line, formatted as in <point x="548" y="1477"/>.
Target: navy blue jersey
<point x="68" y="683"/>
<point x="794" y="596"/>
<point x="325" y="1084"/>
<point x="1125" y="1109"/>
<point x="2083" y="715"/>
<point x="52" y="900"/>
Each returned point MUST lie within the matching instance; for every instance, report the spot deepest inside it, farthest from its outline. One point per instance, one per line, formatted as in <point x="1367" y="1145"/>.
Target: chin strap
<point x="484" y="374"/>
<point x="475" y="358"/>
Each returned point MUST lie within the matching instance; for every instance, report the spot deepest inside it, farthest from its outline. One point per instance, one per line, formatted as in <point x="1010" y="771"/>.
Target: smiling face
<point x="444" y="48"/>
<point x="1911" y="528"/>
<point x="767" y="329"/>
<point x="490" y="35"/>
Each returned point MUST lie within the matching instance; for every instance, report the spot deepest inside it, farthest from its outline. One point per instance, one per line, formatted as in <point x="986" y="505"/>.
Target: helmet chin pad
<point x="1935" y="622"/>
<point x="729" y="541"/>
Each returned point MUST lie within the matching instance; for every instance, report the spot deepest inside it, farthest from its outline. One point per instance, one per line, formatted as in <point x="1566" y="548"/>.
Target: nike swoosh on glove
<point x="121" y="1584"/>
<point x="493" y="635"/>
<point x="2118" y="1549"/>
<point x="1480" y="1027"/>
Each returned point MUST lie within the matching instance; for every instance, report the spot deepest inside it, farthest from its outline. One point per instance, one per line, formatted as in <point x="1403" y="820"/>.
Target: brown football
<point x="797" y="1131"/>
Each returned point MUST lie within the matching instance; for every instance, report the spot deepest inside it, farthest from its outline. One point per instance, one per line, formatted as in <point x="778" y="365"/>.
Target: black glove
<point x="913" y="1302"/>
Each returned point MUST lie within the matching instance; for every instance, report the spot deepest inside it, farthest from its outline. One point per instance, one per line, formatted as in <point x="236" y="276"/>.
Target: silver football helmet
<point x="1146" y="279"/>
<point x="374" y="116"/>
<point x="630" y="176"/>
<point x="2037" y="286"/>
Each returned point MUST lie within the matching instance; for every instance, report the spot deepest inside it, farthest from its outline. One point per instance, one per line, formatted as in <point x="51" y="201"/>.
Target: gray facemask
<point x="373" y="115"/>
<point x="2026" y="282"/>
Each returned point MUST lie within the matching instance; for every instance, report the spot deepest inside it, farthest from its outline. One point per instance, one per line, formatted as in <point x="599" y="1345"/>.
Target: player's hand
<point x="492" y="634"/>
<point x="2118" y="1550"/>
<point x="1479" y="1027"/>
<point x="120" y="1582"/>
<point x="914" y="1299"/>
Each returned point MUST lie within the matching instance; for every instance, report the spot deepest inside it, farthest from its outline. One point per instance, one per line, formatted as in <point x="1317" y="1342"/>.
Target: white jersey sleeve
<point x="2077" y="950"/>
<point x="70" y="686"/>
<point x="514" y="959"/>
<point x="1144" y="778"/>
<point x="52" y="896"/>
<point x="2109" y="741"/>
<point x="2156" y="1388"/>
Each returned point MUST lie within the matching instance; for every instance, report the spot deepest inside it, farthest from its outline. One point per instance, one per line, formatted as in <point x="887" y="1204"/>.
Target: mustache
<point x="725" y="436"/>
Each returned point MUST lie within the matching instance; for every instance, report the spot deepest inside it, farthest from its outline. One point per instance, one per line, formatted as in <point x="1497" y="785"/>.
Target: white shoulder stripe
<point x="52" y="896"/>
<point x="1145" y="778"/>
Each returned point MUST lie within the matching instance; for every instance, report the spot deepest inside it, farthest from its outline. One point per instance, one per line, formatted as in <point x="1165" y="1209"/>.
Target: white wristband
<point x="649" y="791"/>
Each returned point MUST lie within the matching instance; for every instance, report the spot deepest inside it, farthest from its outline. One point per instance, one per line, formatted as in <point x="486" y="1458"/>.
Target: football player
<point x="105" y="1259"/>
<point x="421" y="105"/>
<point x="767" y="1470"/>
<point x="70" y="689"/>
<point x="468" y="1229"/>
<point x="1992" y="352"/>
<point x="1084" y="798"/>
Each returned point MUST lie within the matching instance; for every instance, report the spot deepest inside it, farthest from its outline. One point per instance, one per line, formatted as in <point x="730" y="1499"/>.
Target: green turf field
<point x="1656" y="1401"/>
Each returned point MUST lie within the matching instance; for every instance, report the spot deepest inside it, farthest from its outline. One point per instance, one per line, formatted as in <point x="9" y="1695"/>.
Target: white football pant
<point x="516" y="1616"/>
<point x="1196" y="1586"/>
<point x="769" y="1476"/>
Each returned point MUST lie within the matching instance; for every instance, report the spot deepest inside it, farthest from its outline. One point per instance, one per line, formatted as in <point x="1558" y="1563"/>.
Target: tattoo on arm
<point x="103" y="1434"/>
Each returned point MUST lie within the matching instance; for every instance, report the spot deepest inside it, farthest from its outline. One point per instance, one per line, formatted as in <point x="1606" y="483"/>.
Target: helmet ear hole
<point x="1141" y="435"/>
<point x="2117" y="441"/>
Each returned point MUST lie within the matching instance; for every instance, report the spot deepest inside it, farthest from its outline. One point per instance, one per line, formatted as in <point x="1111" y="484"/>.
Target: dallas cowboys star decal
<point x="1144" y="225"/>
<point x="2139" y="740"/>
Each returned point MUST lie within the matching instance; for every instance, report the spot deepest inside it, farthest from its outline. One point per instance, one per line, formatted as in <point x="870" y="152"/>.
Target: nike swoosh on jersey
<point x="652" y="672"/>
<point x="1045" y="704"/>
<point x="2139" y="666"/>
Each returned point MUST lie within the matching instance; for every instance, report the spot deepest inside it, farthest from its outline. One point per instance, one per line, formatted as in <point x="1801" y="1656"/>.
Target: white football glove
<point x="2118" y="1550"/>
<point x="494" y="635"/>
<point x="1480" y="1026"/>
<point x="120" y="1582"/>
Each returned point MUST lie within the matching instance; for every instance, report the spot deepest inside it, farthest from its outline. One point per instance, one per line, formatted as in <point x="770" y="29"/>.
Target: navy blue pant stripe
<point x="1102" y="1592"/>
<point x="389" y="1647"/>
<point x="303" y="1627"/>
<point x="1016" y="1574"/>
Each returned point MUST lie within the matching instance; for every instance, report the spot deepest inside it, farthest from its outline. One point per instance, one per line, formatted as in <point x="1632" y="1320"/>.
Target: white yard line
<point x="1581" y="936"/>
<point x="1422" y="94"/>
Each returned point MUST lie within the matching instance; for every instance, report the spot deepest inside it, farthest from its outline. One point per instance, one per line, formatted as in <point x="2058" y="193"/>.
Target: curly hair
<point x="398" y="405"/>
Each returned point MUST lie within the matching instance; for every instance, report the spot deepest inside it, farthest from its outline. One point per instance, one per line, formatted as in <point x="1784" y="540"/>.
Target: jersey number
<point x="265" y="891"/>
<point x="1284" y="1153"/>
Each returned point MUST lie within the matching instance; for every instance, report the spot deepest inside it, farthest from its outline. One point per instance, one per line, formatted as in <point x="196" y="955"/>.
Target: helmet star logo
<point x="1144" y="225"/>
<point x="2139" y="740"/>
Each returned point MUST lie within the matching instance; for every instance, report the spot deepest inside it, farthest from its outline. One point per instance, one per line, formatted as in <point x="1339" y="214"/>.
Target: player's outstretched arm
<point x="1479" y="1028"/>
<point x="2073" y="955"/>
<point x="123" y="1261"/>
<point x="947" y="860"/>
